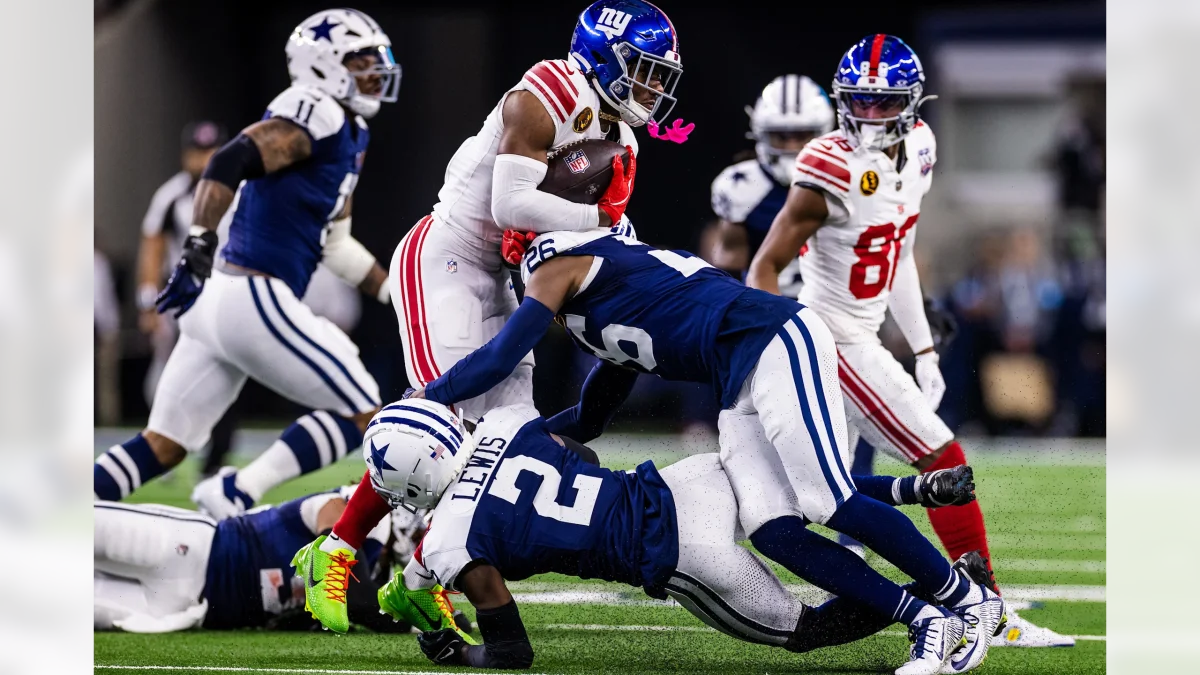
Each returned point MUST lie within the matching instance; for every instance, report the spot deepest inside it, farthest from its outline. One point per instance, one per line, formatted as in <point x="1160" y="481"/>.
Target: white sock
<point x="334" y="543"/>
<point x="275" y="466"/>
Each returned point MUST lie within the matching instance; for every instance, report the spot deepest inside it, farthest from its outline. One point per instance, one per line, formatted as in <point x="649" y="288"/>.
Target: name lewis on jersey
<point x="479" y="469"/>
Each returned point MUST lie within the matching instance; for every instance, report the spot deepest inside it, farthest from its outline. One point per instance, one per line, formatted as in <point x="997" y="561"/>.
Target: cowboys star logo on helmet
<point x="414" y="448"/>
<point x="320" y="47"/>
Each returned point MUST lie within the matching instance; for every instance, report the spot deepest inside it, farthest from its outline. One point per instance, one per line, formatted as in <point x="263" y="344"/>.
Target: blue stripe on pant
<point x="262" y="313"/>
<point x="789" y="343"/>
<point x="340" y="366"/>
<point x="821" y="400"/>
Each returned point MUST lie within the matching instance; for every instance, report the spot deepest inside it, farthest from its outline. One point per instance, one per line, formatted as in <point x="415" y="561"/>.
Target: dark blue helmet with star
<point x="878" y="88"/>
<point x="630" y="52"/>
<point x="413" y="449"/>
<point x="320" y="48"/>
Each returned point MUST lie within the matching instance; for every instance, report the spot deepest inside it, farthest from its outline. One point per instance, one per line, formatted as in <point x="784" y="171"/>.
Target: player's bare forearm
<point x="802" y="215"/>
<point x="211" y="202"/>
<point x="483" y="586"/>
<point x="150" y="259"/>
<point x="281" y="143"/>
<point x="329" y="514"/>
<point x="375" y="280"/>
<point x="730" y="250"/>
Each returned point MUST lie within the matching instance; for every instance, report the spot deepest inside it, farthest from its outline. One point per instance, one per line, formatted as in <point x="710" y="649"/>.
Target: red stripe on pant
<point x="877" y="411"/>
<point x="960" y="528"/>
<point x="419" y="349"/>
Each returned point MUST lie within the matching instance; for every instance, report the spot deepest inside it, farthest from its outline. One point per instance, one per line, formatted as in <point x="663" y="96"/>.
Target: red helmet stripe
<point x="876" y="50"/>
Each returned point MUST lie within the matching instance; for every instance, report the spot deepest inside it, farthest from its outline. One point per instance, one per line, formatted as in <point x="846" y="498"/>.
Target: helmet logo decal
<point x="612" y="22"/>
<point x="378" y="459"/>
<point x="323" y="30"/>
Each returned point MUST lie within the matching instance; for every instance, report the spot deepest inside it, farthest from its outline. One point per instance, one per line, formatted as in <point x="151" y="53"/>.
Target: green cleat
<point x="326" y="577"/>
<point x="425" y="609"/>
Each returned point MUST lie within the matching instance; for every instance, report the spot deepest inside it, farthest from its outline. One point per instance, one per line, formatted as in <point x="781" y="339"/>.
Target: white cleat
<point x="1021" y="633"/>
<point x="984" y="620"/>
<point x="934" y="637"/>
<point x="220" y="497"/>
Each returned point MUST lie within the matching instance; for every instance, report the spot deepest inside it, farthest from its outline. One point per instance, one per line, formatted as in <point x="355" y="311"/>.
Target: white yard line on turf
<point x="706" y="629"/>
<point x="238" y="669"/>
<point x="539" y="593"/>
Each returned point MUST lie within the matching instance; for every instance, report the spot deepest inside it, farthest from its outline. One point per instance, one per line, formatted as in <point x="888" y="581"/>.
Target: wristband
<point x="147" y="295"/>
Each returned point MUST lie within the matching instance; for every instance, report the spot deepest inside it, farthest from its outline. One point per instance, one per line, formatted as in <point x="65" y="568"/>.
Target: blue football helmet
<point x="878" y="87"/>
<point x="624" y="46"/>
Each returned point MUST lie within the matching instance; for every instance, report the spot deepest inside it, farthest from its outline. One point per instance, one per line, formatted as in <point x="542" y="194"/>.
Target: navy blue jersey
<point x="526" y="505"/>
<point x="250" y="576"/>
<point x="667" y="313"/>
<point x="279" y="222"/>
<point x="747" y="193"/>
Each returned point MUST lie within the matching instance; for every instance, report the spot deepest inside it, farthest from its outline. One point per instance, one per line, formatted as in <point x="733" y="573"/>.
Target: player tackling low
<point x="855" y="201"/>
<point x="450" y="288"/>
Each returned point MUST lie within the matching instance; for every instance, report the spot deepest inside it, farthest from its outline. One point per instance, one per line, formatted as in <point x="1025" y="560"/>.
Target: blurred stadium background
<point x="1012" y="235"/>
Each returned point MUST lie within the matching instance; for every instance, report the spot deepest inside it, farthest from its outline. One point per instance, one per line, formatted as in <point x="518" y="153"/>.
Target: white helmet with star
<point x="318" y="51"/>
<point x="414" y="449"/>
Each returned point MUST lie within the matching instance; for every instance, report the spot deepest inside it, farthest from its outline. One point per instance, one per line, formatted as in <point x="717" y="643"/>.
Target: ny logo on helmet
<point x="612" y="22"/>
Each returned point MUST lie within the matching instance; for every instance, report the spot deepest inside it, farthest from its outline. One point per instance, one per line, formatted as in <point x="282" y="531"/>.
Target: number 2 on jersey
<point x="587" y="489"/>
<point x="875" y="268"/>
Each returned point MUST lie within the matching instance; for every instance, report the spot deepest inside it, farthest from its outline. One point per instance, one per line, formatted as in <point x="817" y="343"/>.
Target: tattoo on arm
<point x="212" y="200"/>
<point x="280" y="142"/>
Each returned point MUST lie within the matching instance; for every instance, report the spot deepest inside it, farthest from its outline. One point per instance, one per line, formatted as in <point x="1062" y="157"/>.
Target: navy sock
<point x="893" y="536"/>
<point x="861" y="470"/>
<point x="840" y="621"/>
<point x="831" y="567"/>
<point x="123" y="469"/>
<point x="312" y="442"/>
<point x="884" y="488"/>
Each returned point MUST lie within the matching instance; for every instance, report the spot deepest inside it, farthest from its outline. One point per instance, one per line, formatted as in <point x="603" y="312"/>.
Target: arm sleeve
<point x="604" y="390"/>
<point x="517" y="204"/>
<point x="908" y="306"/>
<point x="344" y="255"/>
<point x="487" y="366"/>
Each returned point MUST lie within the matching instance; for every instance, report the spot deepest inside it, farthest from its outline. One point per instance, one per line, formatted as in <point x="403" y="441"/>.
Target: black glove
<point x="443" y="647"/>
<point x="192" y="270"/>
<point x="941" y="323"/>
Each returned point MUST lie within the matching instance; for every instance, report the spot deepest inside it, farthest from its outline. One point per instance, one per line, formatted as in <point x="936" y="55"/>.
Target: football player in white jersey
<point x="450" y="288"/>
<point x="854" y="202"/>
<point x="791" y="111"/>
<point x="449" y="284"/>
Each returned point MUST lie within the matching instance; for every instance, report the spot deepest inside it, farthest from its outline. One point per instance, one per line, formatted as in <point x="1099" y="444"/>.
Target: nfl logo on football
<point x="577" y="161"/>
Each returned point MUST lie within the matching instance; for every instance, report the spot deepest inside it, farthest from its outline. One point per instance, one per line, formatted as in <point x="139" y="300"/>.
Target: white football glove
<point x="929" y="378"/>
<point x="144" y="623"/>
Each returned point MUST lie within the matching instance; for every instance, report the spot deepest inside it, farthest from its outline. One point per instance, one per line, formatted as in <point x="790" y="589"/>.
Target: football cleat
<point x="326" y="578"/>
<point x="934" y="637"/>
<point x="983" y="620"/>
<point x="946" y="487"/>
<point x="975" y="567"/>
<point x="220" y="497"/>
<point x="1021" y="633"/>
<point x="425" y="609"/>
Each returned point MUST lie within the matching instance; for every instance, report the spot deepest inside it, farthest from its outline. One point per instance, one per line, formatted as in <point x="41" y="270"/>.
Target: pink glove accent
<point x="676" y="133"/>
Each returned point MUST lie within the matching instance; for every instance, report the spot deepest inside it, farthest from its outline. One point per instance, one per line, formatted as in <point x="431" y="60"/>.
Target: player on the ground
<point x="451" y="290"/>
<point x="514" y="499"/>
<point x="782" y="430"/>
<point x="855" y="203"/>
<point x="290" y="177"/>
<point x="790" y="112"/>
<point x="160" y="568"/>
